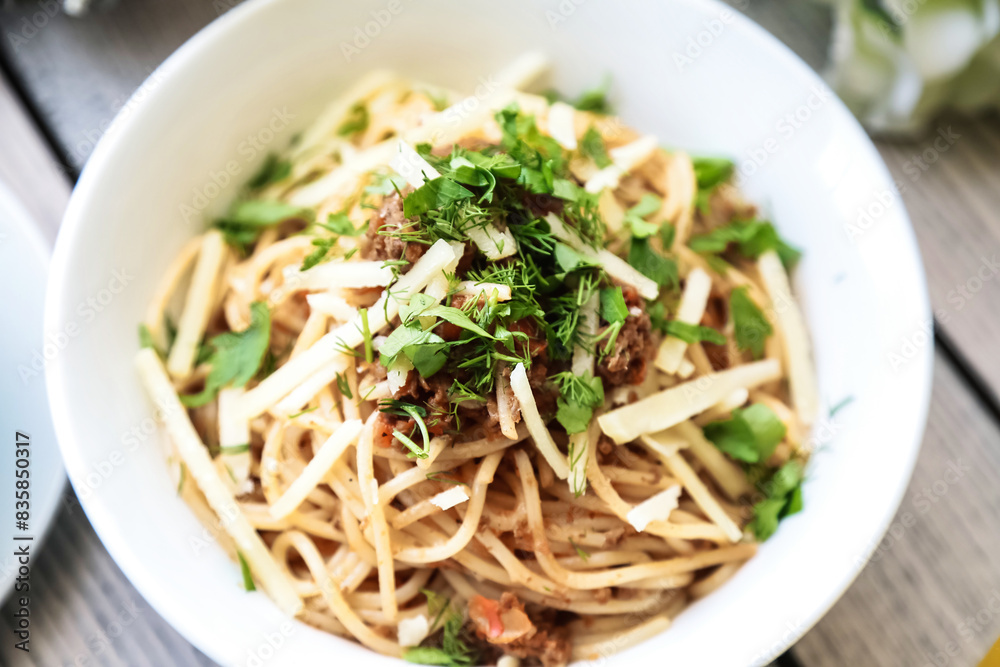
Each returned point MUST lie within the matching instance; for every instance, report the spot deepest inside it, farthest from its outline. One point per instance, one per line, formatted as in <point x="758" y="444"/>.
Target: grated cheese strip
<point x="536" y="427"/>
<point x="286" y="378"/>
<point x="165" y="289"/>
<point x="657" y="508"/>
<point x="317" y="469"/>
<point x="487" y="290"/>
<point x="199" y="465"/>
<point x="684" y="182"/>
<point x="408" y="164"/>
<point x="671" y="406"/>
<point x="299" y="397"/>
<point x="615" y="266"/>
<point x="450" y="498"/>
<point x="331" y="304"/>
<point x="234" y="431"/>
<point x="336" y="273"/>
<point x="730" y="478"/>
<point x="493" y="243"/>
<point x="562" y="125"/>
<point x="789" y="321"/>
<point x="337" y="110"/>
<point x="665" y="446"/>
<point x="624" y="159"/>
<point x="697" y="287"/>
<point x="523" y="70"/>
<point x="197" y="305"/>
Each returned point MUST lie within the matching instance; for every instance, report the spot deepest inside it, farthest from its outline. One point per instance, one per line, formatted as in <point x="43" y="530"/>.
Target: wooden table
<point x="925" y="599"/>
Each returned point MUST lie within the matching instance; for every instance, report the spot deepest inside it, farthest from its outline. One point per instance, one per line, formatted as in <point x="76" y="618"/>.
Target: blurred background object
<point x="898" y="63"/>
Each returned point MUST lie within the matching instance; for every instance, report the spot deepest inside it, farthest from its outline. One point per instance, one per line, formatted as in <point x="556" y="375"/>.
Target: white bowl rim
<point x="102" y="516"/>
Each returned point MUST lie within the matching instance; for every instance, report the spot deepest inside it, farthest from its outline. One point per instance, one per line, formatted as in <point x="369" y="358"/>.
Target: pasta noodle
<point x="506" y="390"/>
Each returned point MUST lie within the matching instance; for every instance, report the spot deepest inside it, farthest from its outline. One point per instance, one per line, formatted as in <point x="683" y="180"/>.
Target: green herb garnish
<point x="749" y="323"/>
<point x="750" y="435"/>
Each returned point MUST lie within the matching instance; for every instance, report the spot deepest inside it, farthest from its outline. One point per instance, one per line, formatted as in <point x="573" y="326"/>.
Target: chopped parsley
<point x="245" y="570"/>
<point x="750" y="237"/>
<point x="578" y="397"/>
<point x="749" y="323"/>
<point x="750" y="435"/>
<point x="146" y="338"/>
<point x="783" y="497"/>
<point x="710" y="173"/>
<point x="236" y="356"/>
<point x="356" y="122"/>
<point x="272" y="171"/>
<point x="247" y="219"/>
<point x="447" y="647"/>
<point x="694" y="333"/>
<point x="579" y="551"/>
<point x="592" y="146"/>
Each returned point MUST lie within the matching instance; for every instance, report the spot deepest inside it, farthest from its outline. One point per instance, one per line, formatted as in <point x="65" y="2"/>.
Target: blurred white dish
<point x="691" y="72"/>
<point x="24" y="266"/>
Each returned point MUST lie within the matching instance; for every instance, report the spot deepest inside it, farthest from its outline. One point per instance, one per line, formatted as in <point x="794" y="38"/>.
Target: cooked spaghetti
<point x="481" y="379"/>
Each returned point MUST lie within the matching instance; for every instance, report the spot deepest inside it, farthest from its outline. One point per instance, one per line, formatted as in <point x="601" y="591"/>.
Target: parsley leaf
<point x="752" y="237"/>
<point x="784" y="498"/>
<point x="146" y="338"/>
<point x="709" y="174"/>
<point x="579" y="395"/>
<point x="272" y="171"/>
<point x="433" y="195"/>
<point x="749" y="323"/>
<point x="613" y="307"/>
<point x="356" y="121"/>
<point x="653" y="265"/>
<point x="247" y="219"/>
<point x="595" y="99"/>
<point x="648" y="205"/>
<point x="245" y="570"/>
<point x="592" y="146"/>
<point x="236" y="357"/>
<point x="750" y="435"/>
<point x="694" y="333"/>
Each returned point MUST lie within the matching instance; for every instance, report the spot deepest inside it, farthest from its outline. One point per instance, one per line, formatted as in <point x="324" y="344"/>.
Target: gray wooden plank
<point x="917" y="601"/>
<point x="28" y="167"/>
<point x="83" y="608"/>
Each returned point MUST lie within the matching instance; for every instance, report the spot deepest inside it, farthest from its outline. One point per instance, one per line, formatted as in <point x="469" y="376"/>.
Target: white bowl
<point x="692" y="72"/>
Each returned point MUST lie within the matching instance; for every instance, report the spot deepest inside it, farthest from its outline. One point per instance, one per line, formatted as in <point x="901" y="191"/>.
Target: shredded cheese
<point x="456" y="495"/>
<point x="317" y="468"/>
<point x="671" y="406"/>
<point x="697" y="287"/>
<point x="408" y="164"/>
<point x="613" y="265"/>
<point x="413" y="630"/>
<point x="562" y="125"/>
<point x="334" y="305"/>
<point x="791" y="325"/>
<point x="623" y="160"/>
<point x="657" y="508"/>
<point x="666" y="446"/>
<point x="199" y="465"/>
<point x="197" y="305"/>
<point x="349" y="335"/>
<point x="489" y="290"/>
<point x="493" y="243"/>
<point x="234" y="432"/>
<point x="730" y="478"/>
<point x="536" y="427"/>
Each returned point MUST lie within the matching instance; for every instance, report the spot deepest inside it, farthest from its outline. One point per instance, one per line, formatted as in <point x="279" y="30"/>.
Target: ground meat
<point x="390" y="218"/>
<point x="716" y="315"/>
<point x="431" y="393"/>
<point x="505" y="624"/>
<point x="633" y="346"/>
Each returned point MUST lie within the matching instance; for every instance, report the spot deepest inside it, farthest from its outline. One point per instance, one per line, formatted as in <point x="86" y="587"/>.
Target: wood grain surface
<point x="931" y="594"/>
